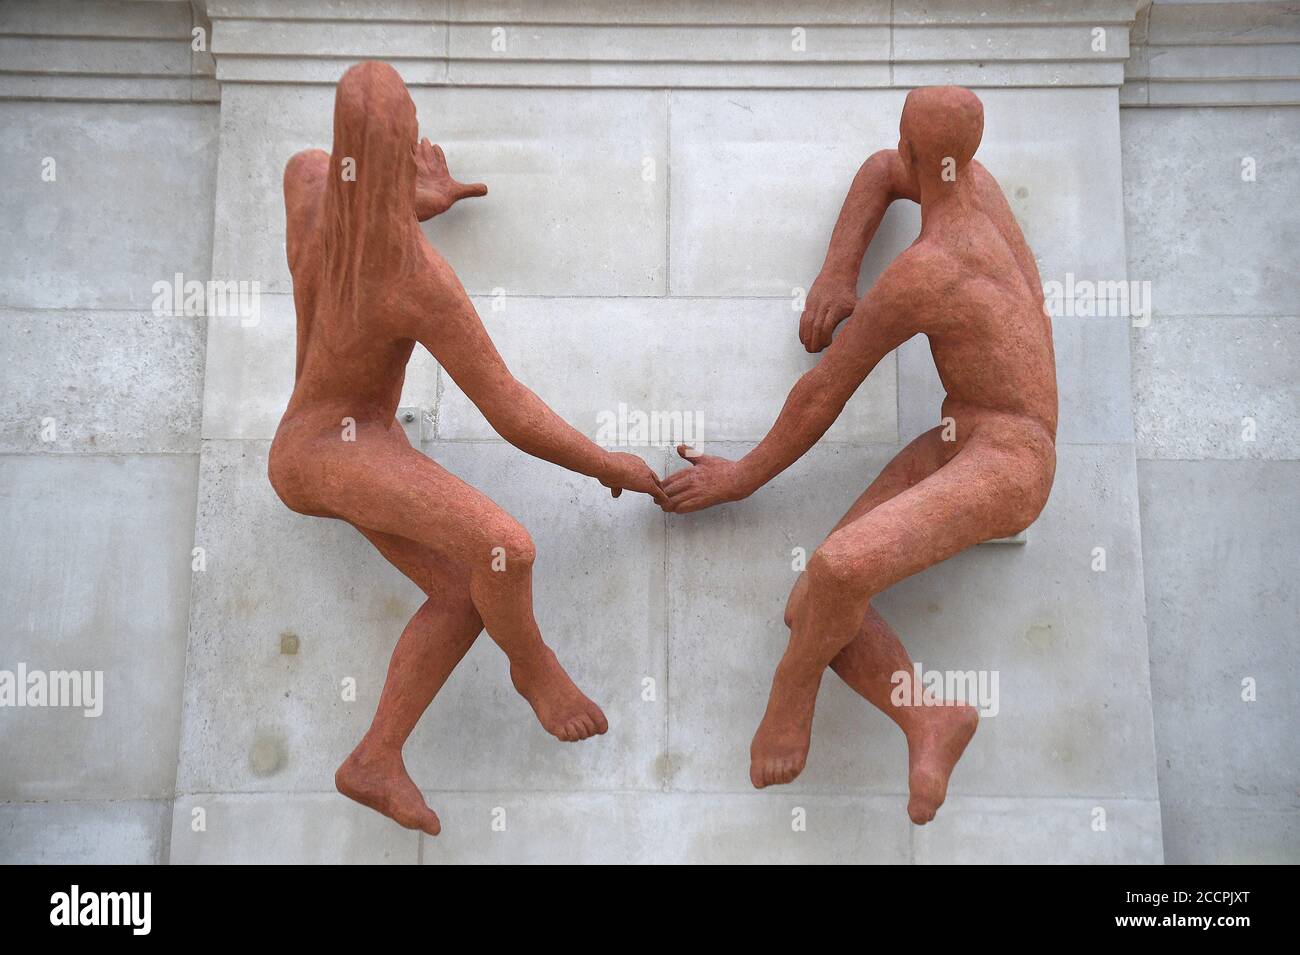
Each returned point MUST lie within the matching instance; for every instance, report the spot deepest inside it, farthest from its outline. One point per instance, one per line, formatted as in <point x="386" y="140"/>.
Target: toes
<point x="920" y="812"/>
<point x="582" y="726"/>
<point x="775" y="772"/>
<point x="423" y="819"/>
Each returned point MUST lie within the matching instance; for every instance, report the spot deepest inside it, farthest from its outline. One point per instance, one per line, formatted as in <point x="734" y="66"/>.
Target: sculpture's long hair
<point x="369" y="206"/>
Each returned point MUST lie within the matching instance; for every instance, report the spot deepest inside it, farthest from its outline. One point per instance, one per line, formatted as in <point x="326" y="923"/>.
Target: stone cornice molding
<point x="673" y="43"/>
<point x="1214" y="54"/>
<point x="108" y="50"/>
<point x="140" y="49"/>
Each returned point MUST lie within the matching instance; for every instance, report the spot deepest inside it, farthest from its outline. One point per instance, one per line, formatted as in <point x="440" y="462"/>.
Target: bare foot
<point x="379" y="780"/>
<point x="934" y="745"/>
<point x="563" y="710"/>
<point x="780" y="747"/>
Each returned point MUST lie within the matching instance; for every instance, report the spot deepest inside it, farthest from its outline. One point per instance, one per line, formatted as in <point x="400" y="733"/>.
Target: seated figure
<point x="970" y="285"/>
<point x="368" y="287"/>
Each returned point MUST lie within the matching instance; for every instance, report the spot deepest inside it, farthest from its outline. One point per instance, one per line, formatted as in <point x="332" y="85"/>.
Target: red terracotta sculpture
<point x="368" y="287"/>
<point x="968" y="283"/>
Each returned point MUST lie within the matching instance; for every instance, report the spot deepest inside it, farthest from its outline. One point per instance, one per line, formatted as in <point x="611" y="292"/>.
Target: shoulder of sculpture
<point x="924" y="258"/>
<point x="304" y="166"/>
<point x="891" y="164"/>
<point x="313" y="158"/>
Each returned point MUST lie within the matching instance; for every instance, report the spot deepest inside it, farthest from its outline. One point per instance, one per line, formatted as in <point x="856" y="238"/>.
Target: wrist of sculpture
<point x="605" y="465"/>
<point x="747" y="479"/>
<point x="839" y="270"/>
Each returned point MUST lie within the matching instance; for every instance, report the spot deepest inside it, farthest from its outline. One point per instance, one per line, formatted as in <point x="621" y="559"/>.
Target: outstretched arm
<point x="435" y="190"/>
<point x="834" y="294"/>
<point x="455" y="336"/>
<point x="879" y="324"/>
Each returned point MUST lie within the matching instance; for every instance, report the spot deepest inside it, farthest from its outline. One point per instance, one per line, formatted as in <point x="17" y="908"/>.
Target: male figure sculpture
<point x="367" y="287"/>
<point x="970" y="285"/>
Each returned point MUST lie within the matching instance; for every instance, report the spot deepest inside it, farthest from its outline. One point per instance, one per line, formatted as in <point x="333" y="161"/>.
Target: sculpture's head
<point x="375" y="133"/>
<point x="940" y="129"/>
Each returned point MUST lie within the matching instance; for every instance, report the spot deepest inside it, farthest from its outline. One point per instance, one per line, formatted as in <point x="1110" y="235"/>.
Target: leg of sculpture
<point x="378" y="482"/>
<point x="936" y="734"/>
<point x="433" y="643"/>
<point x="374" y="774"/>
<point x="978" y="497"/>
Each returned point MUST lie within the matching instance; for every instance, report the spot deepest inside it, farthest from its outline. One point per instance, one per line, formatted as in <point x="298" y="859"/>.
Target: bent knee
<point x="512" y="550"/>
<point x="1026" y="499"/>
<point x="837" y="572"/>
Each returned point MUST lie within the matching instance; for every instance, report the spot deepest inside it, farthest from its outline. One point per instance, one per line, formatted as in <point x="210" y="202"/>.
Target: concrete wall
<point x="663" y="182"/>
<point x="97" y="514"/>
<point x="1215" y="414"/>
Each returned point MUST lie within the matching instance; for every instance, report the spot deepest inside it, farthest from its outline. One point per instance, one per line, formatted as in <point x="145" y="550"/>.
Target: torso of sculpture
<point x="968" y="283"/>
<point x="368" y="287"/>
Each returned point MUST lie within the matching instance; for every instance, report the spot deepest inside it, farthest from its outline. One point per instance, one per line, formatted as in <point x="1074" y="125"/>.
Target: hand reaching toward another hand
<point x="623" y="470"/>
<point x="709" y="480"/>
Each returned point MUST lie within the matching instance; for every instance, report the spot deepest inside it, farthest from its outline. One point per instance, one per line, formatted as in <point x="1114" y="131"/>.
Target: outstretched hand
<point x="435" y="190"/>
<point x="709" y="480"/>
<point x="628" y="471"/>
